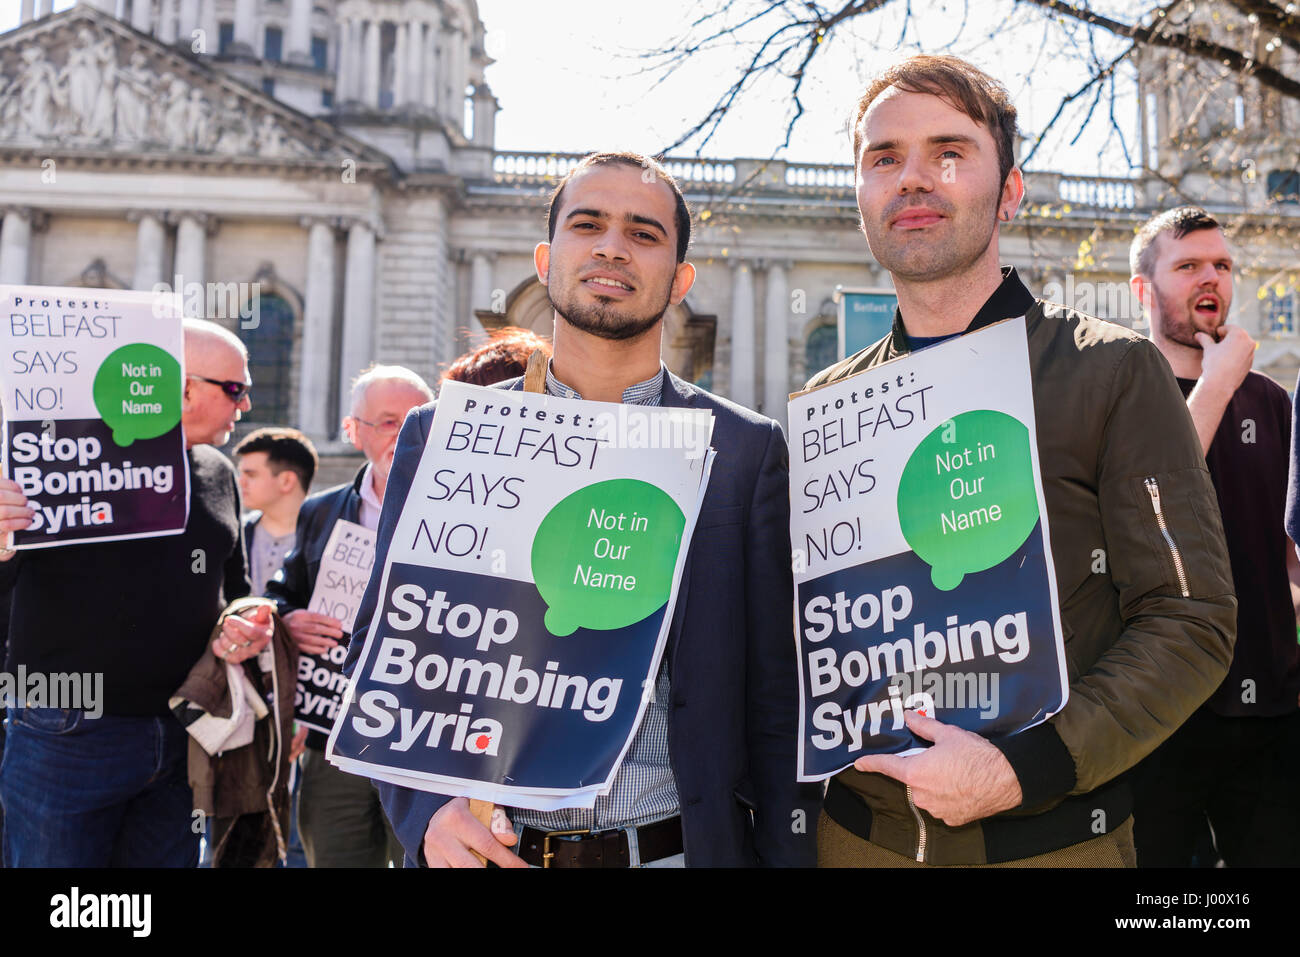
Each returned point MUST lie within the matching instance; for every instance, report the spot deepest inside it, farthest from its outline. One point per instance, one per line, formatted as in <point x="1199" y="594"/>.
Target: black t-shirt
<point x="1248" y="461"/>
<point x="138" y="611"/>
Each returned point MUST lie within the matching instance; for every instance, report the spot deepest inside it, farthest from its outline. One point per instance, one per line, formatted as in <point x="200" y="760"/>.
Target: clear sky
<point x="569" y="77"/>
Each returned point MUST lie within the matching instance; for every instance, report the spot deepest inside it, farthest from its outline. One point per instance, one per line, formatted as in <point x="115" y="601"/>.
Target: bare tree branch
<point x="1273" y="19"/>
<point x="788" y="36"/>
<point x="813" y="30"/>
<point x="1157" y="35"/>
<point x="1093" y="81"/>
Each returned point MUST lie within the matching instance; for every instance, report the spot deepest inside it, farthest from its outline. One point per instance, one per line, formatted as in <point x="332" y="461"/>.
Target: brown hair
<point x="505" y="357"/>
<point x="637" y="161"/>
<point x="966" y="88"/>
<point x="1180" y="221"/>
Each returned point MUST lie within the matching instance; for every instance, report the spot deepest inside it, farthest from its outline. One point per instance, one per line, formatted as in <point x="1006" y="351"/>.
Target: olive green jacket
<point x="1148" y="609"/>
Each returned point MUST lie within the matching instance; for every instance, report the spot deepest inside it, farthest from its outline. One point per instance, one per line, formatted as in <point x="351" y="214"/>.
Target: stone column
<point x="415" y="63"/>
<point x="27" y="11"/>
<point x="191" y="249"/>
<point x="208" y="24"/>
<point x="446" y="66"/>
<point x="44" y="8"/>
<point x="459" y="78"/>
<point x="358" y="306"/>
<point x="141" y="15"/>
<point x="246" y="27"/>
<point x="317" y="332"/>
<point x="480" y="285"/>
<point x="299" y="39"/>
<point x="399" y="65"/>
<point x="1248" y="307"/>
<point x="742" y="334"/>
<point x="150" y="242"/>
<point x="166" y="28"/>
<point x="345" y="71"/>
<point x="432" y="68"/>
<point x="370" y="94"/>
<point x="485" y="116"/>
<point x="15" y="245"/>
<point x="776" y="343"/>
<point x="188" y="22"/>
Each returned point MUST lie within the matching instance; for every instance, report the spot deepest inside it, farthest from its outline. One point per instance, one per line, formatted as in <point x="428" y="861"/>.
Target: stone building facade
<point x="321" y="175"/>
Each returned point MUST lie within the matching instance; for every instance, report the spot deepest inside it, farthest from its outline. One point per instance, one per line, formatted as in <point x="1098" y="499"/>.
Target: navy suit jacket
<point x="733" y="720"/>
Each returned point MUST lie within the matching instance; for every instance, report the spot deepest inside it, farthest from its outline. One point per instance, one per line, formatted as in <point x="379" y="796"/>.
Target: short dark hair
<point x="966" y="87"/>
<point x="637" y="161"/>
<point x="285" y="449"/>
<point x="504" y="357"/>
<point x="1180" y="221"/>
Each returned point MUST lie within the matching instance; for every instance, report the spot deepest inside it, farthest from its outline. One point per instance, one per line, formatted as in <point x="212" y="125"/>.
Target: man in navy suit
<point x="709" y="779"/>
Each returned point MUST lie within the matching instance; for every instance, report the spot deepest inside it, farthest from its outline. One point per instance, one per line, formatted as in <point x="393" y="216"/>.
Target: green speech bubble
<point x="966" y="499"/>
<point x="603" y="558"/>
<point x="137" y="392"/>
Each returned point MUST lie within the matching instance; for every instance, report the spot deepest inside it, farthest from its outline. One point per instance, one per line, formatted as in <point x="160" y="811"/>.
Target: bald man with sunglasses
<point x="339" y="815"/>
<point x="106" y="785"/>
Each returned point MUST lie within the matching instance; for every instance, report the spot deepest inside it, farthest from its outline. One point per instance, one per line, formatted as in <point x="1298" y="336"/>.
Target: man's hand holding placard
<point x="312" y="632"/>
<point x="961" y="778"/>
<point x="15" y="515"/>
<point x="454" y="835"/>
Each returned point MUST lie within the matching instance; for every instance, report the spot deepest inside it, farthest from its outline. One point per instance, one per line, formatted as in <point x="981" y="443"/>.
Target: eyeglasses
<point x="383" y="426"/>
<point x="235" y="390"/>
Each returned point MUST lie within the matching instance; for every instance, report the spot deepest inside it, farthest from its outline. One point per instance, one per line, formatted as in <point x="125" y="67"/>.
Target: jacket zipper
<point x="1153" y="489"/>
<point x="920" y="827"/>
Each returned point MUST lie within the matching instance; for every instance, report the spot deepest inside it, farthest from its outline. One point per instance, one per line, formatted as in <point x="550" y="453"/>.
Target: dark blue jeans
<point x="111" y="791"/>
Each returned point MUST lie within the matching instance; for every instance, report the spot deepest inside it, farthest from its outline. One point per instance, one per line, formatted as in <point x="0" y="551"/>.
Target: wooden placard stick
<point x="534" y="381"/>
<point x="535" y="375"/>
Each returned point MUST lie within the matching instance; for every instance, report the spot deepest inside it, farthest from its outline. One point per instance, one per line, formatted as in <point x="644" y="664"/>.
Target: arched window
<point x="822" y="349"/>
<point x="270" y="352"/>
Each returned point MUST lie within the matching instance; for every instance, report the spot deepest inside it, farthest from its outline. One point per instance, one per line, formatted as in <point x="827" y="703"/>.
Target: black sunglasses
<point x="235" y="390"/>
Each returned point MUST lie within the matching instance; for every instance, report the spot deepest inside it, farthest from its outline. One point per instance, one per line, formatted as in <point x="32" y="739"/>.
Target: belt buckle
<point x="547" y="853"/>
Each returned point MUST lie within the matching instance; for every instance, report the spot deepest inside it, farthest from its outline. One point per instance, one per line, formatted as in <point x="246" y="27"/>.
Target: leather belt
<point x="584" y="848"/>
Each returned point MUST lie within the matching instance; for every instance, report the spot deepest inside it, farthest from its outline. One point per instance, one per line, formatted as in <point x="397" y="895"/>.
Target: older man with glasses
<point x="339" y="815"/>
<point x="108" y="785"/>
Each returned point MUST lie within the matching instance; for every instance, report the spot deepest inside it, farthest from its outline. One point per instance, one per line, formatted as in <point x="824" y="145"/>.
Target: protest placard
<point x="526" y="597"/>
<point x="923" y="568"/>
<point x="340" y="582"/>
<point x="91" y="385"/>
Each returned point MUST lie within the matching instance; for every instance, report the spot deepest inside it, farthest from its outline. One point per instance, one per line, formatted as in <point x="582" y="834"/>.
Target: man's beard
<point x="930" y="261"/>
<point x="602" y="318"/>
<point x="1176" y="322"/>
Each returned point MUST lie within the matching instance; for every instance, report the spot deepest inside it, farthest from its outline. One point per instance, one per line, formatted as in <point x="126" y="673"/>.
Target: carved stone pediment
<point x="82" y="80"/>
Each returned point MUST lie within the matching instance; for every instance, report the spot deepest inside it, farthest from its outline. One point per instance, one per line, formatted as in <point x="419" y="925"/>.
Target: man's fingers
<point x="237" y="625"/>
<point x="924" y="726"/>
<point x="323" y="629"/>
<point x="490" y="846"/>
<point x="888" y="764"/>
<point x="457" y="855"/>
<point x="301" y="629"/>
<point x="314" y="646"/>
<point x="1204" y="340"/>
<point x="320" y="624"/>
<point x="260" y="614"/>
<point x="502" y="828"/>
